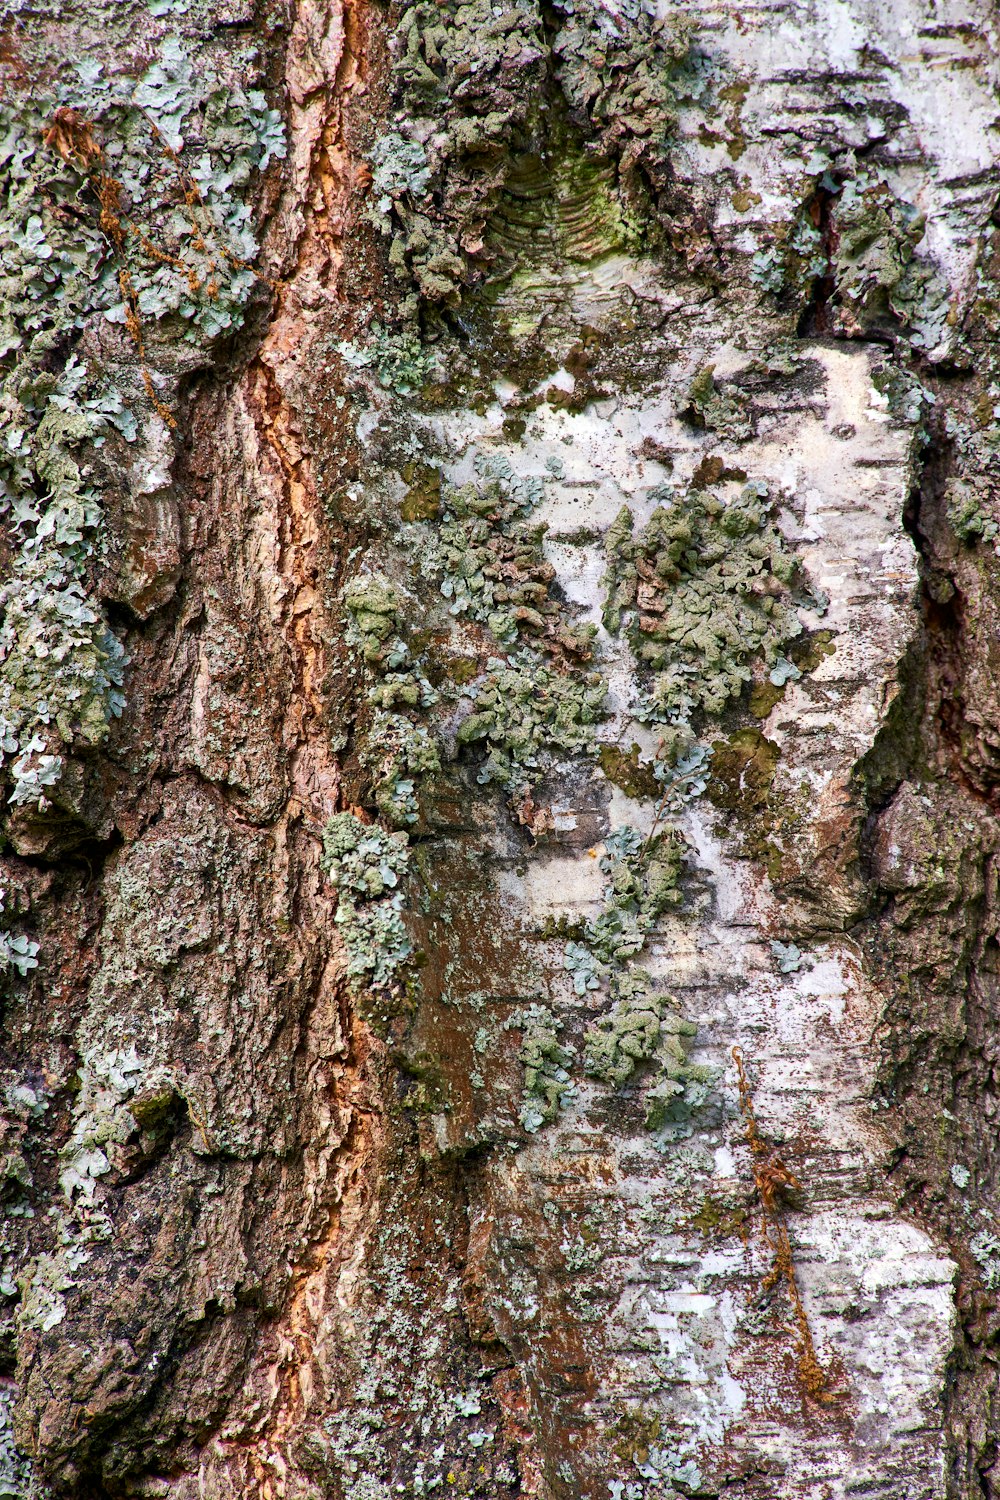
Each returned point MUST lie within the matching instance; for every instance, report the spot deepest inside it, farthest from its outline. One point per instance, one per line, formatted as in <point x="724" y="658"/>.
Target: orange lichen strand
<point x="72" y="136"/>
<point x="777" y="1186"/>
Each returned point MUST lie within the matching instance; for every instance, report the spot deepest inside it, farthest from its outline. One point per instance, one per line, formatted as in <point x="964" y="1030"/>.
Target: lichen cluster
<point x="121" y="1095"/>
<point x="527" y="716"/>
<point x="400" y="362"/>
<point x="16" y="950"/>
<point x="548" y="1087"/>
<point x="122" y="203"/>
<point x="642" y="881"/>
<point x="474" y="87"/>
<point x="859" y="241"/>
<point x="486" y="556"/>
<point x="644" y="1030"/>
<point x="968" y="511"/>
<point x="717" y="410"/>
<point x="528" y="703"/>
<point x="365" y="865"/>
<point x="397" y="752"/>
<point x="704" y="591"/>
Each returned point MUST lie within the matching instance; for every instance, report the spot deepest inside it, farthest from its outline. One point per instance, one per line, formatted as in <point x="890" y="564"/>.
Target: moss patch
<point x="743" y="769"/>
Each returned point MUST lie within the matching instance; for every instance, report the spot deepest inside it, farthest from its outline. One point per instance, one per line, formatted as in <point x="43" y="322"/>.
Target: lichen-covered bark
<point x="500" y="748"/>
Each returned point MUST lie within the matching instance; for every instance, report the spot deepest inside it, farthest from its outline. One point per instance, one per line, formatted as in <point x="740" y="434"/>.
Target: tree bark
<point x="501" y="746"/>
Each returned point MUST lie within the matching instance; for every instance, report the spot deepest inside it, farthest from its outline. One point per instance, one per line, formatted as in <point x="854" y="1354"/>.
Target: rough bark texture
<point x="499" y="712"/>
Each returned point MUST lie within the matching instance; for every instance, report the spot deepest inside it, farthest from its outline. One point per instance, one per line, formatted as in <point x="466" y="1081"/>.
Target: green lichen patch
<point x="548" y="1087"/>
<point x="61" y="667"/>
<point x="398" y="755"/>
<point x="396" y="752"/>
<point x="374" y="606"/>
<point x="17" y="1478"/>
<point x="365" y="865"/>
<point x="122" y="1097"/>
<point x="968" y="512"/>
<point x="704" y="591"/>
<point x="399" y="361"/>
<point x="717" y="410"/>
<point x="642" y="882"/>
<point x="122" y="200"/>
<point x="17" y="951"/>
<point x="854" y="246"/>
<point x="472" y="74"/>
<point x="643" y="1032"/>
<point x="526" y="716"/>
<point x="878" y="277"/>
<point x="486" y="557"/>
<point x="628" y="1036"/>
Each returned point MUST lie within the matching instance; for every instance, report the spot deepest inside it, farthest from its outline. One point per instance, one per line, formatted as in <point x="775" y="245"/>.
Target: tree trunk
<point x="501" y="745"/>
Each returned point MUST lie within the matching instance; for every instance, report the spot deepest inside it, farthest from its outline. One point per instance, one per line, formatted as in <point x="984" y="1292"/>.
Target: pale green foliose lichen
<point x="486" y="556"/>
<point x="17" y="1478"/>
<point x="642" y="881"/>
<point x="704" y="590"/>
<point x="396" y="752"/>
<point x="968" y="515"/>
<point x="628" y="1036"/>
<point x="985" y="1247"/>
<point x="400" y="363"/>
<point x="90" y="178"/>
<point x="548" y="1087"/>
<point x="398" y="755"/>
<point x="365" y="865"/>
<point x="16" y="951"/>
<point x="715" y="409"/>
<point x="120" y="1095"/>
<point x="527" y="716"/>
<point x="471" y="77"/>
<point x="862" y="239"/>
<point x="644" y="1031"/>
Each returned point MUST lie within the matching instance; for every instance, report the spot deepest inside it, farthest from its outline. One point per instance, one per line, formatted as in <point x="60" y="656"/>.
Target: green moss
<point x="707" y="588"/>
<point x="422" y="501"/>
<point x="743" y="769"/>
<point x="625" y="770"/>
<point x="719" y="1218"/>
<point x="764" y="697"/>
<point x="811" y="649"/>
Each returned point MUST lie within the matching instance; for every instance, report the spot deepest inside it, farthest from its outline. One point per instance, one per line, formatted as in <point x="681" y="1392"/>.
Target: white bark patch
<point x="686" y="1339"/>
